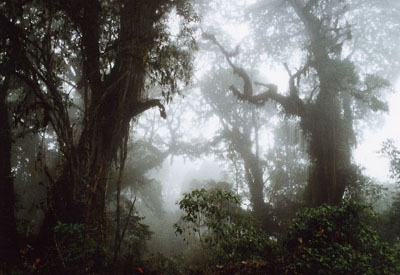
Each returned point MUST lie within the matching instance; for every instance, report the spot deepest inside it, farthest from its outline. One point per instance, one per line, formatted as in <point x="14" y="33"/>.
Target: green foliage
<point x="389" y="149"/>
<point x="77" y="247"/>
<point x="390" y="220"/>
<point x="389" y="223"/>
<point x="361" y="188"/>
<point x="336" y="240"/>
<point x="72" y="251"/>
<point x="134" y="245"/>
<point x="70" y="238"/>
<point x="344" y="72"/>
<point x="374" y="87"/>
<point x="228" y="232"/>
<point x="159" y="264"/>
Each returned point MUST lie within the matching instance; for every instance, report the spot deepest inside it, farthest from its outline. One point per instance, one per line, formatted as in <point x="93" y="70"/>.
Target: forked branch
<point x="247" y="86"/>
<point x="292" y="104"/>
<point x="247" y="94"/>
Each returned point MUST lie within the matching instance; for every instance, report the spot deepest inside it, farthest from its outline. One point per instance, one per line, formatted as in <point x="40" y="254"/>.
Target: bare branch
<point x="312" y="93"/>
<point x="247" y="86"/>
<point x="293" y="89"/>
<point x="118" y="247"/>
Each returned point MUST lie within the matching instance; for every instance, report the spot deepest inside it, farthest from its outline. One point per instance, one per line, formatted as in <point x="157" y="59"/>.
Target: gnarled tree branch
<point x="247" y="87"/>
<point x="292" y="104"/>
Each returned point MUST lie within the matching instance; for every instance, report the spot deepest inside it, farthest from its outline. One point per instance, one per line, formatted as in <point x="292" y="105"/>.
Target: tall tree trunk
<point x="254" y="176"/>
<point x="255" y="182"/>
<point x="113" y="102"/>
<point x="325" y="185"/>
<point x="8" y="232"/>
<point x="330" y="138"/>
<point x="329" y="124"/>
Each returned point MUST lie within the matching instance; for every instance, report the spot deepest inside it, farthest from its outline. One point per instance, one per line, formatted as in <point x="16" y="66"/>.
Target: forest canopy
<point x="267" y="99"/>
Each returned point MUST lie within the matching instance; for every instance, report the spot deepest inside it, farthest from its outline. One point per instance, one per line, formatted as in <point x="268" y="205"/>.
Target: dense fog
<point x="199" y="137"/>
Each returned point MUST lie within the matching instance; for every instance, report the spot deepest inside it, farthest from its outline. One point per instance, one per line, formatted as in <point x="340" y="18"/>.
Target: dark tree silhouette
<point x="97" y="59"/>
<point x="326" y="115"/>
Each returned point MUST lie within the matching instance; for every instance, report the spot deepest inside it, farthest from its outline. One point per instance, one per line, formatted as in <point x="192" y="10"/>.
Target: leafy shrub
<point x="133" y="245"/>
<point x="336" y="240"/>
<point x="71" y="254"/>
<point x="159" y="264"/>
<point x="389" y="225"/>
<point x="215" y="219"/>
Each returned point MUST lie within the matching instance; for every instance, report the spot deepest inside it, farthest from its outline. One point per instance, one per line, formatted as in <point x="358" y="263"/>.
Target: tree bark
<point x="329" y="158"/>
<point x="8" y="232"/>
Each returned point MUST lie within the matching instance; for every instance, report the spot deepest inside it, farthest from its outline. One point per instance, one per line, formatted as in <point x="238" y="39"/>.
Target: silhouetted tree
<point x="238" y="138"/>
<point x="326" y="109"/>
<point x="95" y="59"/>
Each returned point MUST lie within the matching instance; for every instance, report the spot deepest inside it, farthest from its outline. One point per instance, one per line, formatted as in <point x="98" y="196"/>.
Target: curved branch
<point x="247" y="86"/>
<point x="292" y="104"/>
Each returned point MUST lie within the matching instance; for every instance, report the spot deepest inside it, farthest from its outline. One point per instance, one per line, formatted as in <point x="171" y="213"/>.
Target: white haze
<point x="176" y="175"/>
<point x="367" y="153"/>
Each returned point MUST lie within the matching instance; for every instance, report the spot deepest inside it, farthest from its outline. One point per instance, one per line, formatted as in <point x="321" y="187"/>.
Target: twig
<point x="123" y="232"/>
<point x="312" y="93"/>
<point x="59" y="251"/>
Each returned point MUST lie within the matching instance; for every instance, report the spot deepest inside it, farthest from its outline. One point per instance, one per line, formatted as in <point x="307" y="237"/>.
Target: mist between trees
<point x="196" y="137"/>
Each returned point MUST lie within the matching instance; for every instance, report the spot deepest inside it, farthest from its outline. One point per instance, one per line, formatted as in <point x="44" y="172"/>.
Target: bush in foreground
<point x="336" y="240"/>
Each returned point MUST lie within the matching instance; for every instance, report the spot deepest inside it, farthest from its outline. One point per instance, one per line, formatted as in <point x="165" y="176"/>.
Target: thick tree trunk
<point x="8" y="233"/>
<point x="331" y="135"/>
<point x="262" y="211"/>
<point x="113" y="102"/>
<point x="256" y="187"/>
<point x="329" y="145"/>
<point x="326" y="183"/>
